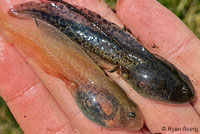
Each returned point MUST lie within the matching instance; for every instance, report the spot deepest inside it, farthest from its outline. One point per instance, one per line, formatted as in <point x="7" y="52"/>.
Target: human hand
<point x="49" y="111"/>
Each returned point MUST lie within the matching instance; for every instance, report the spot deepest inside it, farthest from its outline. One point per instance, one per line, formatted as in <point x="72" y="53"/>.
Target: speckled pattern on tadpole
<point x="150" y="76"/>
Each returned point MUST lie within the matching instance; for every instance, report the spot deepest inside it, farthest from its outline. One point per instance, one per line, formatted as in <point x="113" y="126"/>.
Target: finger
<point x="66" y="102"/>
<point x="33" y="107"/>
<point x="155" y="25"/>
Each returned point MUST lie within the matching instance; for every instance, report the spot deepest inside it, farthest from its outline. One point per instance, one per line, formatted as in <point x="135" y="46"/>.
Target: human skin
<point x="53" y="110"/>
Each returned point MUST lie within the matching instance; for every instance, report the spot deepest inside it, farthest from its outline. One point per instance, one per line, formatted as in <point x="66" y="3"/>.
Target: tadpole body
<point x="151" y="77"/>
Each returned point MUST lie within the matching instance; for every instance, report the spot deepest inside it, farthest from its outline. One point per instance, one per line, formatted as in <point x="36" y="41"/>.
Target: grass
<point x="8" y="125"/>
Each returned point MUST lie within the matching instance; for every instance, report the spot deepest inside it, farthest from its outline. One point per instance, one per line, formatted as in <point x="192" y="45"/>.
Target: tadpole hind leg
<point x="124" y="72"/>
<point x="36" y="22"/>
<point x="114" y="69"/>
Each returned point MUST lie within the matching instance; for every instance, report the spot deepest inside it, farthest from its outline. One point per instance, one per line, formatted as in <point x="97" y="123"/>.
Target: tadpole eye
<point x="184" y="90"/>
<point x="131" y="114"/>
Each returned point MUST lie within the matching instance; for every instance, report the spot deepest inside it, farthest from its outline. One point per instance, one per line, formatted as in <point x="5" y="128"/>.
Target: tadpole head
<point x="108" y="109"/>
<point x="183" y="92"/>
<point x="159" y="82"/>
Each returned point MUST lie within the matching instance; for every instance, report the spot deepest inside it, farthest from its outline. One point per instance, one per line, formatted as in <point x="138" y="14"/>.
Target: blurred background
<point x="187" y="10"/>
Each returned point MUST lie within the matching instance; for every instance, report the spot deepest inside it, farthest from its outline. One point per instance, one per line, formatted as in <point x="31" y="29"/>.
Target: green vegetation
<point x="179" y="7"/>
<point x="187" y="10"/>
<point x="111" y="3"/>
<point x="8" y="125"/>
<point x="192" y="17"/>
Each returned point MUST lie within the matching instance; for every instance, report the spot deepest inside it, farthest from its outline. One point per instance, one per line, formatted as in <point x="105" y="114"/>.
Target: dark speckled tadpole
<point x="102" y="40"/>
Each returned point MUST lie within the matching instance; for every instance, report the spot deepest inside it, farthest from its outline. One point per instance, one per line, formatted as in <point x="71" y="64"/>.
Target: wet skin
<point x="151" y="77"/>
<point x="98" y="97"/>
